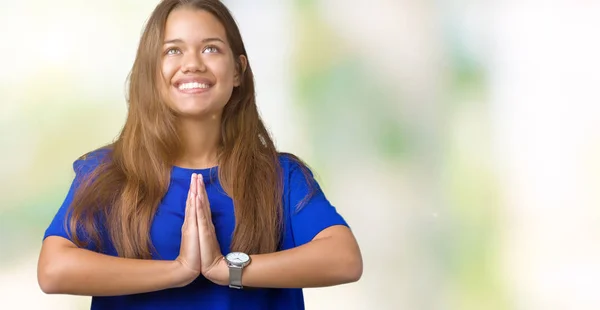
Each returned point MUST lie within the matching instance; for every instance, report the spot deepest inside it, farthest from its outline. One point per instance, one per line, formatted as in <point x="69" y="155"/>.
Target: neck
<point x="200" y="143"/>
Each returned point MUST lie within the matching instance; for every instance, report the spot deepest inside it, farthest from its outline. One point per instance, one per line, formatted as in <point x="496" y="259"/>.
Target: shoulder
<point x="96" y="154"/>
<point x="298" y="179"/>
<point x="89" y="161"/>
<point x="285" y="159"/>
<point x="292" y="166"/>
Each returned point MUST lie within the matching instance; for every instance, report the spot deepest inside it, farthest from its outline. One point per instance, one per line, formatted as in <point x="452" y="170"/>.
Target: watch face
<point x="237" y="257"/>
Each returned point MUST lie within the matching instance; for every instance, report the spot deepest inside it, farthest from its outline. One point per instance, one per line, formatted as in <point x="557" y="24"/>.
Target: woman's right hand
<point x="189" y="252"/>
<point x="64" y="268"/>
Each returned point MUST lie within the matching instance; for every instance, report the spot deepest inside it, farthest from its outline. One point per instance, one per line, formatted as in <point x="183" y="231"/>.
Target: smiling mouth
<point x="193" y="87"/>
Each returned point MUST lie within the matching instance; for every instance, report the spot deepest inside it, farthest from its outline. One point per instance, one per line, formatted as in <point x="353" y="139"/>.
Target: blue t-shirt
<point x="300" y="225"/>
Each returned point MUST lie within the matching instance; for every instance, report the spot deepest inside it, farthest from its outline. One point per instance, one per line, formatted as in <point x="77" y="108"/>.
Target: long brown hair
<point x="125" y="190"/>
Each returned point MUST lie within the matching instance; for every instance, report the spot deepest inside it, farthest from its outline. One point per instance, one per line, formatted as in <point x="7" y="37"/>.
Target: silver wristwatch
<point x="236" y="261"/>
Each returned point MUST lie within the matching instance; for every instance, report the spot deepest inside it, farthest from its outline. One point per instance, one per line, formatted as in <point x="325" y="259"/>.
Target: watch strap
<point x="235" y="276"/>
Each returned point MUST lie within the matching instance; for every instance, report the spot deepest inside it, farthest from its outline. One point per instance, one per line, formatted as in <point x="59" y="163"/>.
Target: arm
<point x="325" y="251"/>
<point x="331" y="258"/>
<point x="63" y="268"/>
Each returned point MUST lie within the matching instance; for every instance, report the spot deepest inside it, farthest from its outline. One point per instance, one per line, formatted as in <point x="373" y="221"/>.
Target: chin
<point x="197" y="110"/>
<point x="195" y="113"/>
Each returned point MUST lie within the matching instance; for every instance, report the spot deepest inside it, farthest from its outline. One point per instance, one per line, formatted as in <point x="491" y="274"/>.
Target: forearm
<point x="319" y="263"/>
<point x="322" y="262"/>
<point x="82" y="272"/>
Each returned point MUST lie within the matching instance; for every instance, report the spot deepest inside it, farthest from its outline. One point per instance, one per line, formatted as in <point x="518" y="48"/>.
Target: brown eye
<point x="210" y="49"/>
<point x="172" y="51"/>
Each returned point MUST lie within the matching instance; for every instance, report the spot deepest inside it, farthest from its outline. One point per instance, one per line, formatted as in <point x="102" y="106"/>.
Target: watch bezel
<point x="238" y="264"/>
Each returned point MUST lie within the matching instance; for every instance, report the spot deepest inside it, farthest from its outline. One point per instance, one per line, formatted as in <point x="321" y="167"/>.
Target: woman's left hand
<point x="213" y="265"/>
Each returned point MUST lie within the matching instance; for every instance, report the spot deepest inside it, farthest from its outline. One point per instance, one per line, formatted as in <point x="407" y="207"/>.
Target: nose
<point x="192" y="63"/>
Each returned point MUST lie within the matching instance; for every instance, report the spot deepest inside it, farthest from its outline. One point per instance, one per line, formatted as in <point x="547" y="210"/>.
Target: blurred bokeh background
<point x="460" y="138"/>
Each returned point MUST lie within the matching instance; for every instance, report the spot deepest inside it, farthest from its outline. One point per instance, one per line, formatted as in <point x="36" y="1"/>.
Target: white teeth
<point x="193" y="85"/>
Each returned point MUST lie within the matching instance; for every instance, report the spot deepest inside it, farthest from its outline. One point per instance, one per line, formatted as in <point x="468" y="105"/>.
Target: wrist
<point x="182" y="275"/>
<point x="219" y="274"/>
<point x="235" y="263"/>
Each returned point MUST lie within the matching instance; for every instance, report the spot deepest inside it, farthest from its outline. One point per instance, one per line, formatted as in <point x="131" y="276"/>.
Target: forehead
<point x="192" y="25"/>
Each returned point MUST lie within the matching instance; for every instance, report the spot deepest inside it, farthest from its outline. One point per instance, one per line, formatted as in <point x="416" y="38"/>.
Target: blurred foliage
<point x="348" y="107"/>
<point x="351" y="112"/>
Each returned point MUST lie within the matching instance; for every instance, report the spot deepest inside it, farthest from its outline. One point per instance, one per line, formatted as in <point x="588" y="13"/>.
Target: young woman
<point x="192" y="207"/>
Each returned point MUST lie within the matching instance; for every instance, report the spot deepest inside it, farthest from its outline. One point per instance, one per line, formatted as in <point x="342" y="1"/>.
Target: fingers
<point x="205" y="205"/>
<point x="191" y="192"/>
<point x="203" y="208"/>
<point x="200" y="218"/>
<point x="194" y="183"/>
<point x="190" y="212"/>
<point x="193" y="209"/>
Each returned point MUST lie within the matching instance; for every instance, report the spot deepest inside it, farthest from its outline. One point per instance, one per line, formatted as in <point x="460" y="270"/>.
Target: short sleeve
<point x="60" y="222"/>
<point x="316" y="213"/>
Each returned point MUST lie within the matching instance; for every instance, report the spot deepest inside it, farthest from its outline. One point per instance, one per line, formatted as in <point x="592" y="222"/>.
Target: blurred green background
<point x="460" y="139"/>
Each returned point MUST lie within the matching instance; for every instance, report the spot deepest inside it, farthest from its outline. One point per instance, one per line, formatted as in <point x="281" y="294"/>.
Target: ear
<point x="240" y="68"/>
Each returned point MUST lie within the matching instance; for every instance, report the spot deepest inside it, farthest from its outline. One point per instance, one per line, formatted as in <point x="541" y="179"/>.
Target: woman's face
<point x="198" y="66"/>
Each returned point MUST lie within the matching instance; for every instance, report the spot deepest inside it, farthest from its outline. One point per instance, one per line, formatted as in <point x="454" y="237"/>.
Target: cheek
<point x="168" y="70"/>
<point x="223" y="71"/>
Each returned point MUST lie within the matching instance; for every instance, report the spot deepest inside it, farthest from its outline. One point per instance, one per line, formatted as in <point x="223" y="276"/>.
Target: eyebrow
<point x="203" y="41"/>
